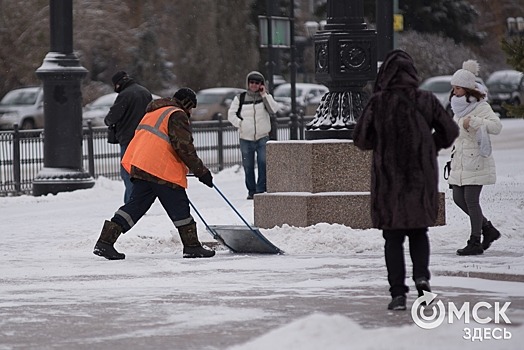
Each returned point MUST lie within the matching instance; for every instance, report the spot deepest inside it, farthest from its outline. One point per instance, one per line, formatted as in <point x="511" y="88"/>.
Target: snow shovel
<point x="239" y="239"/>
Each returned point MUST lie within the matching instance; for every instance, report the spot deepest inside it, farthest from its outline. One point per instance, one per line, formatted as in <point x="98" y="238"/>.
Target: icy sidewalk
<point x="162" y="301"/>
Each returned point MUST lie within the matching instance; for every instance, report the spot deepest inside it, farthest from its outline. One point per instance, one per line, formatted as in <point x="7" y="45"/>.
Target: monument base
<point x="302" y="209"/>
<point x="318" y="181"/>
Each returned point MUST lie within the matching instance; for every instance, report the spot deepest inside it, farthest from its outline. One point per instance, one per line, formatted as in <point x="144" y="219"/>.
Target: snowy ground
<point x="328" y="290"/>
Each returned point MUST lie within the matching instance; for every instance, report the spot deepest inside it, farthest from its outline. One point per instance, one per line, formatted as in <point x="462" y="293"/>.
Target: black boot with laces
<point x="422" y="284"/>
<point x="490" y="233"/>
<point x="397" y="303"/>
<point x="473" y="248"/>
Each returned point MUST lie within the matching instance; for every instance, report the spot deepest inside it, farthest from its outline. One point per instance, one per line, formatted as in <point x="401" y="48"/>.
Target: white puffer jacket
<point x="468" y="167"/>
<point x="254" y="122"/>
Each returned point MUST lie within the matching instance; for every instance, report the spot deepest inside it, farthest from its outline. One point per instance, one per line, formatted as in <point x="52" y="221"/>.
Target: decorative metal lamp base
<point x="55" y="180"/>
<point x="336" y="115"/>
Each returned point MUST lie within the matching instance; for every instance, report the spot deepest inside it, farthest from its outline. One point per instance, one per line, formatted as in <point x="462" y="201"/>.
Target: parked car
<point x="307" y="98"/>
<point x="505" y="86"/>
<point x="214" y="101"/>
<point x="440" y="86"/>
<point x="278" y="80"/>
<point x="24" y="106"/>
<point x="97" y="110"/>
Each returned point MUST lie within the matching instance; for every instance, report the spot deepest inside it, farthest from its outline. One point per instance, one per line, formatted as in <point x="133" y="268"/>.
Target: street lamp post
<point x="293" y="130"/>
<point x="61" y="74"/>
<point x="345" y="60"/>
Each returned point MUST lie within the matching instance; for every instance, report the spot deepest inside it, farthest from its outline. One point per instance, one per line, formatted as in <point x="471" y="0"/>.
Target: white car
<point x="97" y="110"/>
<point x="213" y="102"/>
<point x="505" y="86"/>
<point x="440" y="86"/>
<point x="25" y="107"/>
<point x="307" y="98"/>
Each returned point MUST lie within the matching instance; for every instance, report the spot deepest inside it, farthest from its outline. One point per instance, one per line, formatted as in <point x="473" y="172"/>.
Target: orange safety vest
<point x="151" y="151"/>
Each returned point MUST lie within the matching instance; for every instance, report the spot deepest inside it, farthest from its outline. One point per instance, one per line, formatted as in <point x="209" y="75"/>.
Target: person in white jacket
<point x="250" y="113"/>
<point x="472" y="168"/>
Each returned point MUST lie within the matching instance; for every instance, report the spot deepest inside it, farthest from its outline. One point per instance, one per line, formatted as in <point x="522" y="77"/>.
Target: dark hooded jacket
<point x="128" y="110"/>
<point x="405" y="127"/>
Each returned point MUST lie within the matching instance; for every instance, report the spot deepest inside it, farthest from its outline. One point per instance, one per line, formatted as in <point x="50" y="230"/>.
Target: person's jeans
<point x="248" y="149"/>
<point x="126" y="177"/>
<point x="394" y="254"/>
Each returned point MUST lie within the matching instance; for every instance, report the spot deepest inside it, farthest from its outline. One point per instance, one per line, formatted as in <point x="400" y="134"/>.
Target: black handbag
<point x="447" y="169"/>
<point x="111" y="134"/>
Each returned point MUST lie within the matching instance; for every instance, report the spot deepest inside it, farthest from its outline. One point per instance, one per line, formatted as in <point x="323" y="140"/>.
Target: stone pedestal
<point x="311" y="182"/>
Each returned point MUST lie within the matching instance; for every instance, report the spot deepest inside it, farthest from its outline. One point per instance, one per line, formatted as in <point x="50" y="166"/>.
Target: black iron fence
<point x="216" y="142"/>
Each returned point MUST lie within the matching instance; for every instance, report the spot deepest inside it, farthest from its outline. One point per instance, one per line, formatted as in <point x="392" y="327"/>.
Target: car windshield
<point x="503" y="82"/>
<point x="104" y="101"/>
<point x="285" y="91"/>
<point x="20" y="97"/>
<point x="436" y="86"/>
<point x="208" y="98"/>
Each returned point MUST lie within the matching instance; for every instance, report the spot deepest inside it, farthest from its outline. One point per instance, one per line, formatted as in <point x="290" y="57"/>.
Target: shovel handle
<point x="232" y="207"/>
<point x="200" y="216"/>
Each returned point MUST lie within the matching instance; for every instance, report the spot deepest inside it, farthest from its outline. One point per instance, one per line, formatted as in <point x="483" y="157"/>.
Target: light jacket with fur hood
<point x="254" y="123"/>
<point x="468" y="167"/>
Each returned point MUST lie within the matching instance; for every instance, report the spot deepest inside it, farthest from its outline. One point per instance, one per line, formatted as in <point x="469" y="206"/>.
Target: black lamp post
<point x="385" y="33"/>
<point x="61" y="74"/>
<point x="345" y="60"/>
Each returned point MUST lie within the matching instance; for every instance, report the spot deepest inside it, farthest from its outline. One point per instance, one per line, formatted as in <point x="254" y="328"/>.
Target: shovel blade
<point x="240" y="239"/>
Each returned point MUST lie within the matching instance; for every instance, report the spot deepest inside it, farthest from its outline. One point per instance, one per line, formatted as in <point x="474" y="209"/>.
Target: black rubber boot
<point x="473" y="248"/>
<point x="104" y="246"/>
<point x="192" y="246"/>
<point x="490" y="233"/>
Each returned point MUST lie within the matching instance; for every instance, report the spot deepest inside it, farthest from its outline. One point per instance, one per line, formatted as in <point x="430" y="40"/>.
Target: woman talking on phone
<point x="250" y="113"/>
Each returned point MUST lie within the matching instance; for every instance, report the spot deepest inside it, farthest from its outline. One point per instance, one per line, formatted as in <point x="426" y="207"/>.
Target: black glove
<point x="207" y="179"/>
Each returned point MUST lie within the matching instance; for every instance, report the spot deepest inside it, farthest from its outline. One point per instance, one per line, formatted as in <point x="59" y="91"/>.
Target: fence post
<point x="220" y="143"/>
<point x="16" y="160"/>
<point x="273" y="134"/>
<point x="90" y="149"/>
<point x="301" y="133"/>
<point x="293" y="132"/>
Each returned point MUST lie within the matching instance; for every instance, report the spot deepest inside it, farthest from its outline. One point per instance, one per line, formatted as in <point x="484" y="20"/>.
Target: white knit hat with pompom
<point x="465" y="77"/>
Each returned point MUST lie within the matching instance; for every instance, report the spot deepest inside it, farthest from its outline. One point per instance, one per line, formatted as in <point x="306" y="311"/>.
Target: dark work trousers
<point x="394" y="253"/>
<point x="174" y="201"/>
<point x="125" y="177"/>
<point x="467" y="198"/>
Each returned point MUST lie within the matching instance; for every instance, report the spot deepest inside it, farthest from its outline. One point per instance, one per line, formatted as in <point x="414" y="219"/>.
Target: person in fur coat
<point x="405" y="127"/>
<point x="470" y="168"/>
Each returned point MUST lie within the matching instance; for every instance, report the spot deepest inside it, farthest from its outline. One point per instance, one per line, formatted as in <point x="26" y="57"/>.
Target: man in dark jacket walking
<point x="125" y="114"/>
<point x="405" y="127"/>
